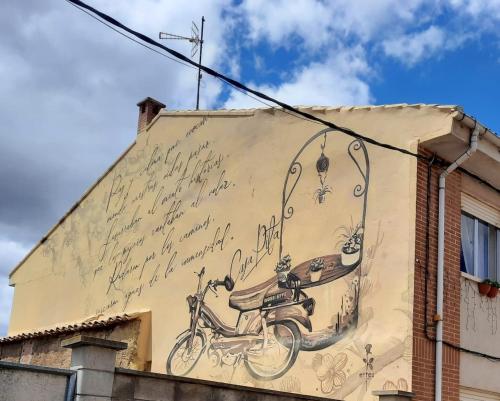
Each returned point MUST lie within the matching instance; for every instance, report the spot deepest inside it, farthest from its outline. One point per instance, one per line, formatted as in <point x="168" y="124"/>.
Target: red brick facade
<point x="423" y="348"/>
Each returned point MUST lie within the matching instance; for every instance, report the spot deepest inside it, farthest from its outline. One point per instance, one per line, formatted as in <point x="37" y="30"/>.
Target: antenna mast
<point x="197" y="41"/>
<point x="199" y="69"/>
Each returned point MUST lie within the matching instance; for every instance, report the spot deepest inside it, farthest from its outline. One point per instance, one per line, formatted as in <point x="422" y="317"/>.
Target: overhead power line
<point x="245" y="89"/>
<point x="187" y="65"/>
<point x="129" y="37"/>
<point x="237" y="84"/>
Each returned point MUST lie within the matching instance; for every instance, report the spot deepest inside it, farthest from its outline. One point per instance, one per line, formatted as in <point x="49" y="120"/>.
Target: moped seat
<point x="253" y="297"/>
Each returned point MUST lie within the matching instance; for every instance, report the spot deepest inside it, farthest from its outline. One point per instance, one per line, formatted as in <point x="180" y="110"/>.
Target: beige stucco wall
<point x="130" y="245"/>
<point x="479" y="331"/>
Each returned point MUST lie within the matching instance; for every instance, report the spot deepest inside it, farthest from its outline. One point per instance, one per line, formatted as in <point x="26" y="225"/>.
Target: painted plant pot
<point x="315" y="276"/>
<point x="483" y="288"/>
<point x="351" y="249"/>
<point x="282" y="276"/>
<point x="492" y="293"/>
<point x="349" y="258"/>
<point x="316" y="268"/>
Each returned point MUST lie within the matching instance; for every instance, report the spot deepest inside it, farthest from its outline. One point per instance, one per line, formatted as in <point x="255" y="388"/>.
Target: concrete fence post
<point x="393" y="395"/>
<point x="94" y="361"/>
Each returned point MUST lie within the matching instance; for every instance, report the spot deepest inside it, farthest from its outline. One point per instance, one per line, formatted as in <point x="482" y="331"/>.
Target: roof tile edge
<point x="68" y="328"/>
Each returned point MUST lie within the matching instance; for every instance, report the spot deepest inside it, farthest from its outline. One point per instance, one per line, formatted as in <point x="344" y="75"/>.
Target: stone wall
<point x="23" y="383"/>
<point x="138" y="386"/>
<point x="47" y="350"/>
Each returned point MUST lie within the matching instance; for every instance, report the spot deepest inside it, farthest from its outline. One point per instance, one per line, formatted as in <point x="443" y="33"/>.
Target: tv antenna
<point x="197" y="43"/>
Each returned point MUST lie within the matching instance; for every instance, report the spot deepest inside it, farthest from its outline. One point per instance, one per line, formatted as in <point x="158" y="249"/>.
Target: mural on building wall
<point x="266" y="337"/>
<point x="264" y="259"/>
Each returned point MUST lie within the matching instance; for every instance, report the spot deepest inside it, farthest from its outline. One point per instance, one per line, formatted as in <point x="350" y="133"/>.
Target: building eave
<point x="486" y="161"/>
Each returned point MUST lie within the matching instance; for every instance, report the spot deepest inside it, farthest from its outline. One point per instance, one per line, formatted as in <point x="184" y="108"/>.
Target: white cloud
<point x="411" y="30"/>
<point x="373" y="20"/>
<point x="320" y="23"/>
<point x="489" y="9"/>
<point x="276" y="21"/>
<point x="10" y="254"/>
<point x="337" y="81"/>
<point x="6" y="294"/>
<point x="413" y="48"/>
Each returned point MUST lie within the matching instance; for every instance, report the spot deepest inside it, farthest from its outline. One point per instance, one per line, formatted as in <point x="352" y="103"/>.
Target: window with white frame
<point x="480" y="250"/>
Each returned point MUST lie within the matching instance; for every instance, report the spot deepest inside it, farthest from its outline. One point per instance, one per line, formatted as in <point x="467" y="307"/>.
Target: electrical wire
<point x="246" y="90"/>
<point x="129" y="37"/>
<point x="229" y="80"/>
<point x="181" y="63"/>
<point x="434" y="158"/>
<point x="270" y="105"/>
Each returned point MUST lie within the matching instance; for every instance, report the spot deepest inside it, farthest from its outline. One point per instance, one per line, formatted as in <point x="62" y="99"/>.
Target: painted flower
<point x="330" y="371"/>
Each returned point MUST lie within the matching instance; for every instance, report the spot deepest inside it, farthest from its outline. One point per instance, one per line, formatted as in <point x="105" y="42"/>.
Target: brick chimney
<point x="148" y="109"/>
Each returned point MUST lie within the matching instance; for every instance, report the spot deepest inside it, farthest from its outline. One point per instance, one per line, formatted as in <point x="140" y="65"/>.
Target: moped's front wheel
<point x="183" y="358"/>
<point x="271" y="358"/>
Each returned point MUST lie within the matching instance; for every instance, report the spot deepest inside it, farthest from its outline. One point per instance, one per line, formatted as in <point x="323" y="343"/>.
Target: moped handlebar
<point x="228" y="283"/>
<point x="216" y="283"/>
<point x="212" y="287"/>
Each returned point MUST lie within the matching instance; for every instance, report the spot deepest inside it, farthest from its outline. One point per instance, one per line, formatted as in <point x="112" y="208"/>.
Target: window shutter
<point x="480" y="210"/>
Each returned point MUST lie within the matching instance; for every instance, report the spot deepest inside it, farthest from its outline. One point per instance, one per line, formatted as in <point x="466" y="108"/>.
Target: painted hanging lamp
<point x="322" y="165"/>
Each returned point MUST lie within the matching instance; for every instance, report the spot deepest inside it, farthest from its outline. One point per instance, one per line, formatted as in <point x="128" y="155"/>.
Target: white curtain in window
<point x="468" y="243"/>
<point x="483" y="249"/>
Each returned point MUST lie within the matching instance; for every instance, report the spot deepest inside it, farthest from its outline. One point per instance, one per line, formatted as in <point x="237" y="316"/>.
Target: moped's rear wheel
<point x="272" y="360"/>
<point x="182" y="359"/>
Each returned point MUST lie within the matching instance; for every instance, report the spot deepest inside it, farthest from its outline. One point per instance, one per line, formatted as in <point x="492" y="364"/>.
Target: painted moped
<point x="266" y="337"/>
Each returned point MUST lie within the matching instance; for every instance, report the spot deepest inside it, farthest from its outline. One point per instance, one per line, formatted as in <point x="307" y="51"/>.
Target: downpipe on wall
<point x="70" y="388"/>
<point x="440" y="262"/>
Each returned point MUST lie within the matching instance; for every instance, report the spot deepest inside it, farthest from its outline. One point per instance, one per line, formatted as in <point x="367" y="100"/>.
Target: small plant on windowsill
<point x="484" y="287"/>
<point x="492" y="293"/>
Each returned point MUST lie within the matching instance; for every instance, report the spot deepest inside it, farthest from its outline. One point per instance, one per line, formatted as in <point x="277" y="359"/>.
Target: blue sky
<point x="70" y="85"/>
<point x="425" y="52"/>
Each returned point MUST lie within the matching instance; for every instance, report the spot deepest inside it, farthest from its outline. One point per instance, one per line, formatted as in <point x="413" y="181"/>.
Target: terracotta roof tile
<point x="70" y="328"/>
<point x="318" y="108"/>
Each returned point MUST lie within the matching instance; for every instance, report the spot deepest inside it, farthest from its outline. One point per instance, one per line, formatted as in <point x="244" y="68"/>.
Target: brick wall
<point x="424" y="349"/>
<point x="148" y="109"/>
